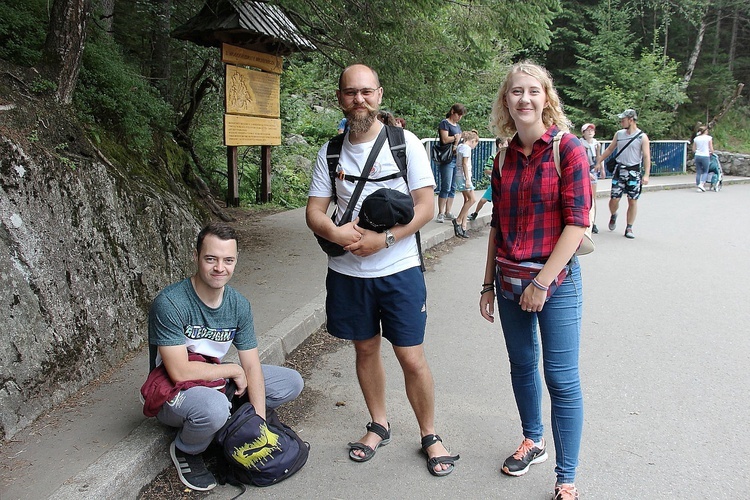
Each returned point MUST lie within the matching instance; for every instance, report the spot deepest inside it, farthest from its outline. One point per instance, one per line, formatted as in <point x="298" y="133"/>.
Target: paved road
<point x="664" y="362"/>
<point x="666" y="342"/>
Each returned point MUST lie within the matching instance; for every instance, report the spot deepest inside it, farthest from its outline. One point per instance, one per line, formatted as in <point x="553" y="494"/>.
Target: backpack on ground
<point x="259" y="452"/>
<point x="587" y="243"/>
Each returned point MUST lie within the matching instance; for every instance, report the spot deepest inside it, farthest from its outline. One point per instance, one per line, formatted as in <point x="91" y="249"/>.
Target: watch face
<point x="389" y="239"/>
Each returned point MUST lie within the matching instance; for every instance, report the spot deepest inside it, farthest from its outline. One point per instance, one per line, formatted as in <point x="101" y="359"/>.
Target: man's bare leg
<point x="371" y="376"/>
<point x="420" y="389"/>
<point x="632" y="211"/>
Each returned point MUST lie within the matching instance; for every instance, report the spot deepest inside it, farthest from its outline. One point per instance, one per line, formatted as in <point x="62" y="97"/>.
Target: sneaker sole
<point x="541" y="458"/>
<point x="179" y="472"/>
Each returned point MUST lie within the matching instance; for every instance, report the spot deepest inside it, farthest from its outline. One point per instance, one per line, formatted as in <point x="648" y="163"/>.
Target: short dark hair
<point x="220" y="230"/>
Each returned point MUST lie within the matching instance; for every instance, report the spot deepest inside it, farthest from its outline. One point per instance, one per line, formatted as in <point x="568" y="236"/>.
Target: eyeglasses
<point x="353" y="92"/>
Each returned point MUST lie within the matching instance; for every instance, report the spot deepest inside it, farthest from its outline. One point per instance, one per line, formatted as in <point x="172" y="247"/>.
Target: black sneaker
<point x="192" y="470"/>
<point x="473" y="216"/>
<point x="594" y="229"/>
<point x="528" y="453"/>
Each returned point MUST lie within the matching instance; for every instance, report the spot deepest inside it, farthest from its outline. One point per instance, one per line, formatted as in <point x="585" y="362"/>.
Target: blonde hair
<point x="501" y="123"/>
<point x="470" y="135"/>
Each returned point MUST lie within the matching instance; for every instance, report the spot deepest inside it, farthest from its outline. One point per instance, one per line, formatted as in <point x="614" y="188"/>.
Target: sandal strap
<point x="378" y="429"/>
<point x="429" y="440"/>
<point x="450" y="460"/>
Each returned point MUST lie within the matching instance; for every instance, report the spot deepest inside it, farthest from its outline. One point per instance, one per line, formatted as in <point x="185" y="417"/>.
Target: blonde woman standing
<point x="538" y="220"/>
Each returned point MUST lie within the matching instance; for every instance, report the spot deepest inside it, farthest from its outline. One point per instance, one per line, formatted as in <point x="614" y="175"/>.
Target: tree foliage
<point x="605" y="55"/>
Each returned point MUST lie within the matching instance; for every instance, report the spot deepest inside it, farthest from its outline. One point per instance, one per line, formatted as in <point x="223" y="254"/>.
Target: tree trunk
<point x="63" y="47"/>
<point x="717" y="38"/>
<point x="696" y="51"/>
<point x="160" y="56"/>
<point x="733" y="43"/>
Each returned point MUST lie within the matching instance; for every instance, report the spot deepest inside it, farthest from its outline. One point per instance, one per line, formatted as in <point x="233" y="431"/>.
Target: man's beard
<point x="358" y="120"/>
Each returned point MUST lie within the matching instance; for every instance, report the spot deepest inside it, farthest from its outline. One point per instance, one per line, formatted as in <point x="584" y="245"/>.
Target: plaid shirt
<point x="532" y="203"/>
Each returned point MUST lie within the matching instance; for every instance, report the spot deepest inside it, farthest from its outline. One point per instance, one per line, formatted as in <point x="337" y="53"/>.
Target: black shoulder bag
<point x="334" y="249"/>
<point x="611" y="164"/>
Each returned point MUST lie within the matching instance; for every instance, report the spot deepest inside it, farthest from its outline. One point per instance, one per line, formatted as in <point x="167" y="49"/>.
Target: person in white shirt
<point x="464" y="183"/>
<point x="703" y="147"/>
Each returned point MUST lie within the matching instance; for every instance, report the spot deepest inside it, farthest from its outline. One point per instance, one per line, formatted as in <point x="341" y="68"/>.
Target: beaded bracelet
<point x="539" y="285"/>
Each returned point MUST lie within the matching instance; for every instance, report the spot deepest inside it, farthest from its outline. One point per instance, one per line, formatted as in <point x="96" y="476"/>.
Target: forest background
<point x="677" y="62"/>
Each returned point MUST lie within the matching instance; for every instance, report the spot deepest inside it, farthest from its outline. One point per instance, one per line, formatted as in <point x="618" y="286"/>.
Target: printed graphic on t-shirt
<point x="198" y="332"/>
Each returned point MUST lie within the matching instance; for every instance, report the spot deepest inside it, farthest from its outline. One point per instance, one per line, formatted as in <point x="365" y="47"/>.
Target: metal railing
<point x="667" y="158"/>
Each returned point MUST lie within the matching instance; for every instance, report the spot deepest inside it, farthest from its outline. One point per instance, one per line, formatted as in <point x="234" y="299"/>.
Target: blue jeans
<point x="448" y="179"/>
<point x="701" y="168"/>
<point x="560" y="328"/>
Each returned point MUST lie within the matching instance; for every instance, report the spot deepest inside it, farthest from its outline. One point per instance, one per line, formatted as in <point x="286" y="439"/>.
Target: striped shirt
<point x="532" y="203"/>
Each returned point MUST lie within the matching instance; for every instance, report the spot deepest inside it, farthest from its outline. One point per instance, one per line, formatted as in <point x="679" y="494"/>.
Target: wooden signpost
<point x="252" y="112"/>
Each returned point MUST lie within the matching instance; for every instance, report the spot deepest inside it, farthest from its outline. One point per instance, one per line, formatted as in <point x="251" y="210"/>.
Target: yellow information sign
<point x="251" y="92"/>
<point x="251" y="131"/>
<point x="246" y="57"/>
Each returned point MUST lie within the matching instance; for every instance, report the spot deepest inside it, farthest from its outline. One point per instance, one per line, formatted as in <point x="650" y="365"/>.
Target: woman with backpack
<point x="538" y="221"/>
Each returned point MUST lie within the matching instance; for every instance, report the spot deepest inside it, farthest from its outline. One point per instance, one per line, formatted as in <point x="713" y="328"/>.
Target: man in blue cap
<point x="633" y="149"/>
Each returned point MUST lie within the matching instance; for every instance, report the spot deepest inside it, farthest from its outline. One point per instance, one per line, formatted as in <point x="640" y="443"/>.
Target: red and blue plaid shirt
<point x="531" y="203"/>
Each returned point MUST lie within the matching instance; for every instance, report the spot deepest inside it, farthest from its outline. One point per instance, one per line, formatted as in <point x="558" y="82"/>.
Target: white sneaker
<point x="440" y="218"/>
<point x="450" y="216"/>
<point x="701" y="189"/>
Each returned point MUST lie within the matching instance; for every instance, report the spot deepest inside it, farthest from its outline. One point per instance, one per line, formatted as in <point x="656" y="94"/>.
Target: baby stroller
<point x="715" y="175"/>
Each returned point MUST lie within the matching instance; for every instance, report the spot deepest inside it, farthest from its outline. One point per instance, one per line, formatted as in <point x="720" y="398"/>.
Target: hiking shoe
<point x="629" y="233"/>
<point x="472" y="216"/>
<point x="528" y="453"/>
<point x="192" y="470"/>
<point x="594" y="229"/>
<point x="565" y="492"/>
<point x="440" y="218"/>
<point x="613" y="222"/>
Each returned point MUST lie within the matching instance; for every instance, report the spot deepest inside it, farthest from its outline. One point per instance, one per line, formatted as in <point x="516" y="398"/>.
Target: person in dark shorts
<point x="376" y="289"/>
<point x="627" y="178"/>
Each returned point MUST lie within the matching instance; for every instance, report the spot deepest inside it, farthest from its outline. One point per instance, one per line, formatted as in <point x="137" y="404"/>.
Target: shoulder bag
<point x="334" y="249"/>
<point x="611" y="163"/>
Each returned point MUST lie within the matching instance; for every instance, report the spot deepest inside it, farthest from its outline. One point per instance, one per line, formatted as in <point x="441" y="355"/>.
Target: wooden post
<point x="233" y="184"/>
<point x="265" y="181"/>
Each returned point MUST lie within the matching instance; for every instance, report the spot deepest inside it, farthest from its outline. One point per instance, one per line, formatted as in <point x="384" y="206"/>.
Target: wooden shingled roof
<point x="253" y="25"/>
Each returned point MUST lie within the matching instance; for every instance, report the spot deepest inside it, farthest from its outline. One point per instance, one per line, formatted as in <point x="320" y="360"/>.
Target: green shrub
<point x="112" y="93"/>
<point x="22" y="31"/>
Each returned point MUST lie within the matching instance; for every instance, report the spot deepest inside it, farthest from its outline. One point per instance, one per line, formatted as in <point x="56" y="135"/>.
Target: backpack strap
<point x="555" y="155"/>
<point x="333" y="153"/>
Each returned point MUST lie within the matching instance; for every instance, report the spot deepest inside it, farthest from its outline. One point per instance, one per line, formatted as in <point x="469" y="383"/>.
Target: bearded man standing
<point x="376" y="289"/>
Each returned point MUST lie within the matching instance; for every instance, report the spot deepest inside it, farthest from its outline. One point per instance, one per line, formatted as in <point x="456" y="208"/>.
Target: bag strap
<point x="555" y="154"/>
<point x="628" y="144"/>
<point x="365" y="174"/>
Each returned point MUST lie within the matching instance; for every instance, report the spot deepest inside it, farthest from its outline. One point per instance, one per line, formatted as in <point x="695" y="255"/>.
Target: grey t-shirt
<point x="179" y="317"/>
<point x="633" y="154"/>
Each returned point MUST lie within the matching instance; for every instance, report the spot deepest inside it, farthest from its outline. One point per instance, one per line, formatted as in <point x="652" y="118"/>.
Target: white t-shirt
<point x="702" y="145"/>
<point x="463" y="151"/>
<point x="404" y="254"/>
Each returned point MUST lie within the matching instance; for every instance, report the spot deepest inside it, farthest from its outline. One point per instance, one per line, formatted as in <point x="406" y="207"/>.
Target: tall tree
<point x="63" y="47"/>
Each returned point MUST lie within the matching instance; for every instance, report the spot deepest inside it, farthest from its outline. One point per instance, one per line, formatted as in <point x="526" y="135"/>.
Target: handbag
<point x="513" y="277"/>
<point x="611" y="163"/>
<point x="442" y="153"/>
<point x="334" y="249"/>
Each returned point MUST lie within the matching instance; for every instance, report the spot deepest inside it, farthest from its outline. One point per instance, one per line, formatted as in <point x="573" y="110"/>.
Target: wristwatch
<point x="389" y="238"/>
